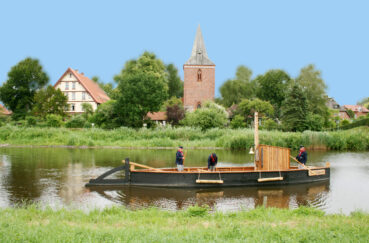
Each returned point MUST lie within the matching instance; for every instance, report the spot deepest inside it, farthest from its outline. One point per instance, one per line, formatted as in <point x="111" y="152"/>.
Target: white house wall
<point x="76" y="100"/>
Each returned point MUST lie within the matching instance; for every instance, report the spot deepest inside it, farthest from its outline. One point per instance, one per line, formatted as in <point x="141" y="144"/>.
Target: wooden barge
<point x="272" y="167"/>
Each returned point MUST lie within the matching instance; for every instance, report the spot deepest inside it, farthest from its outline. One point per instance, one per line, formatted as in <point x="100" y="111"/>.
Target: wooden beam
<point x="142" y="166"/>
<point x="270" y="179"/>
<point x="210" y="181"/>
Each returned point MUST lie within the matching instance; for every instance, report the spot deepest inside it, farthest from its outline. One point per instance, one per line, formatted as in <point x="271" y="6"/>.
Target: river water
<point x="56" y="177"/>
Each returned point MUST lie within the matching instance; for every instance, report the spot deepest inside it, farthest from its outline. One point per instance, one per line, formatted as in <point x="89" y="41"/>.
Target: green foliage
<point x="294" y="110"/>
<point x="24" y="79"/>
<point x="238" y="121"/>
<point x="50" y="101"/>
<point x="351" y="113"/>
<point x="314" y="122"/>
<point x="234" y="90"/>
<point x="345" y="122"/>
<point x="198" y="211"/>
<point x="175" y="85"/>
<point x="31" y="121"/>
<point x="273" y="86"/>
<point x="312" y="84"/>
<point x="76" y="121"/>
<point x="87" y="109"/>
<point x="105" y="116"/>
<point x="249" y="107"/>
<point x="269" y="124"/>
<point x="117" y="224"/>
<point x="209" y="116"/>
<point x="53" y="120"/>
<point x="143" y="88"/>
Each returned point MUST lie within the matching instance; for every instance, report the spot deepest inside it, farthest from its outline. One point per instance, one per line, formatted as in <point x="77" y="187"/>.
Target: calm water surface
<point x="56" y="177"/>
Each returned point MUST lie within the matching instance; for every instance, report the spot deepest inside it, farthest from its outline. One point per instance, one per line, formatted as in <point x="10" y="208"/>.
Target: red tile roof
<point x="91" y="87"/>
<point x="356" y="108"/>
<point x="157" y="116"/>
<point x="4" y="111"/>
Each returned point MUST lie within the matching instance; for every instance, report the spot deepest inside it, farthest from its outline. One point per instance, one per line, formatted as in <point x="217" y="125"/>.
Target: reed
<point x="354" y="140"/>
<point x="196" y="224"/>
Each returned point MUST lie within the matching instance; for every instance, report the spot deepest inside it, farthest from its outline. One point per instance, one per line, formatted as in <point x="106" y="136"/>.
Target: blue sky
<point x="98" y="37"/>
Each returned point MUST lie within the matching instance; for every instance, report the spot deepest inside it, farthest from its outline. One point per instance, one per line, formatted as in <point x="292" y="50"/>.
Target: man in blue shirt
<point x="212" y="161"/>
<point x="179" y="158"/>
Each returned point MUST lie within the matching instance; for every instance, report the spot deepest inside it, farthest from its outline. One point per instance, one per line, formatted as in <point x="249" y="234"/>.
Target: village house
<point x="4" y="111"/>
<point x="80" y="89"/>
<point x="358" y="110"/>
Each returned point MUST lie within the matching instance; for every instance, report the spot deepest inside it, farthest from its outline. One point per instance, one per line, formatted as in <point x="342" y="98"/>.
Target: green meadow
<point x="196" y="224"/>
<point x="352" y="140"/>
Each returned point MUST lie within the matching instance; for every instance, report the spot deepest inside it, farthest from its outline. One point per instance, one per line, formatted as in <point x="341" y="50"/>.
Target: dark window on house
<point x="198" y="105"/>
<point x="70" y="75"/>
<point x="72" y="107"/>
<point x="199" y="75"/>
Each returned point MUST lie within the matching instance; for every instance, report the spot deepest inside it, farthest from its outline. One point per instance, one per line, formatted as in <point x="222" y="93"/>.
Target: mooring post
<point x="127" y="171"/>
<point x="256" y="139"/>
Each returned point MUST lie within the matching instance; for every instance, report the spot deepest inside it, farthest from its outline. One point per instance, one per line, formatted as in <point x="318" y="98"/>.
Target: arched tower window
<point x="199" y="75"/>
<point x="198" y="105"/>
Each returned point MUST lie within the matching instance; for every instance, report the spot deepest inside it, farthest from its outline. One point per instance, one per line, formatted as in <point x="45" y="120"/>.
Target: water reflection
<point x="56" y="177"/>
<point x="225" y="199"/>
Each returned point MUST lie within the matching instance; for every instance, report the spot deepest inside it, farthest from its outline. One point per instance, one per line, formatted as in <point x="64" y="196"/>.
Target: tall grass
<point x="355" y="139"/>
<point x="116" y="224"/>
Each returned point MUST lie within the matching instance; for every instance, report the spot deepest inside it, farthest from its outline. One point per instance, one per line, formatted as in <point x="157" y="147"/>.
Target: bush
<point x="31" y="120"/>
<point x="270" y="124"/>
<point x="210" y="116"/>
<point x="54" y="120"/>
<point x="314" y="122"/>
<point x="345" y="122"/>
<point x="77" y="121"/>
<point x="238" y="122"/>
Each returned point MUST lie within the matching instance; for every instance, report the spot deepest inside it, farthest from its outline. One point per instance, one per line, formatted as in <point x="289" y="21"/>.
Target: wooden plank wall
<point x="273" y="158"/>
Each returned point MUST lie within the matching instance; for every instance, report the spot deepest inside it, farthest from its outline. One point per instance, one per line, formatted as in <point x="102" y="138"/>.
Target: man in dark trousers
<point x="212" y="161"/>
<point x="179" y="158"/>
<point x="302" y="156"/>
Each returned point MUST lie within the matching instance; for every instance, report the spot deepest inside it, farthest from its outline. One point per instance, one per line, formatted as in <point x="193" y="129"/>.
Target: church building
<point x="80" y="89"/>
<point x="199" y="76"/>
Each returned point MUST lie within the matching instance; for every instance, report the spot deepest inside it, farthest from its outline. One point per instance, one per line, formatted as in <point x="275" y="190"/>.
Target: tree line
<point x="146" y="84"/>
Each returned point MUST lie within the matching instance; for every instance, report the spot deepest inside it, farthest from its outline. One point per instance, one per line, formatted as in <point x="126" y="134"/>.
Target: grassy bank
<point x="354" y="140"/>
<point x="193" y="225"/>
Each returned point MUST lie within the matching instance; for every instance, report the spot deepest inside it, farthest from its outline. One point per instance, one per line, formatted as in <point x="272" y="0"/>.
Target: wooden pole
<point x="302" y="165"/>
<point x="256" y="138"/>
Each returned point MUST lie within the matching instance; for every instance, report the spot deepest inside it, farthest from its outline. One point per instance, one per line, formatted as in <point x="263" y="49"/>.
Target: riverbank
<point x="195" y="224"/>
<point x="354" y="140"/>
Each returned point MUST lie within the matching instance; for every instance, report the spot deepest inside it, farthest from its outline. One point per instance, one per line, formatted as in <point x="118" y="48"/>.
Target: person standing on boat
<point x="302" y="156"/>
<point x="179" y="158"/>
<point x="212" y="161"/>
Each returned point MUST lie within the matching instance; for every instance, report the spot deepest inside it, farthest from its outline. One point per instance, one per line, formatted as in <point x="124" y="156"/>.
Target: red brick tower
<point x="199" y="76"/>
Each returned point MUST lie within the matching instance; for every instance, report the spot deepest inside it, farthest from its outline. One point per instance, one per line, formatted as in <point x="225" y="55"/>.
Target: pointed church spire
<point x="199" y="55"/>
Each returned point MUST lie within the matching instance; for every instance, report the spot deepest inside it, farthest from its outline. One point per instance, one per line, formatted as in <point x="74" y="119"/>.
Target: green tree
<point x="234" y="90"/>
<point x="50" y="101"/>
<point x="175" y="85"/>
<point x="87" y="109"/>
<point x="314" y="87"/>
<point x="269" y="124"/>
<point x="247" y="108"/>
<point x="142" y="88"/>
<point x="24" y="79"/>
<point x="272" y="87"/>
<point x="315" y="122"/>
<point x="350" y="113"/>
<point x="294" y="110"/>
<point x="105" y="116"/>
<point x="107" y="87"/>
<point x="238" y="121"/>
<point x="53" y="120"/>
<point x="209" y="116"/>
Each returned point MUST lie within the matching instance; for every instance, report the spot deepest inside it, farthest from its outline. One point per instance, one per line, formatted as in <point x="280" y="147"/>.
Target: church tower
<point x="199" y="76"/>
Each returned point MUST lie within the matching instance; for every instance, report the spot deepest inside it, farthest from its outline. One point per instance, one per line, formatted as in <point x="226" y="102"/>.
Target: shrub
<point x="270" y="124"/>
<point x="54" y="120"/>
<point x="31" y="120"/>
<point x="77" y="121"/>
<point x="238" y="122"/>
<point x="345" y="122"/>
